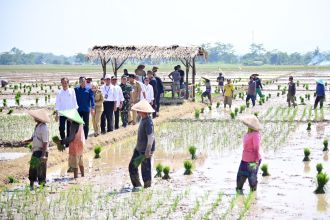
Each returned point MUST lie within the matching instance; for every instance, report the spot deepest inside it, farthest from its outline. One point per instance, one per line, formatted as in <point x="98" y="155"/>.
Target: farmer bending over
<point x="145" y="146"/>
<point x="75" y="141"/>
<point x="251" y="158"/>
<point x="207" y="91"/>
<point x="40" y="141"/>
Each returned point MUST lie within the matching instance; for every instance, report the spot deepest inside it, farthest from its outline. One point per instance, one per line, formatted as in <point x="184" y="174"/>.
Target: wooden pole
<point x="187" y="79"/>
<point x="193" y="77"/>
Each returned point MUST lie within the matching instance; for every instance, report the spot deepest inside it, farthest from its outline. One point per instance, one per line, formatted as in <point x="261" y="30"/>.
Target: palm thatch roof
<point x="144" y="52"/>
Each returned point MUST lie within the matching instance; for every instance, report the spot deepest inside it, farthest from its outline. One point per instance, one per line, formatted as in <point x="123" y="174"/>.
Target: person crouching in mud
<point x="144" y="148"/>
<point x="251" y="158"/>
<point x="75" y="141"/>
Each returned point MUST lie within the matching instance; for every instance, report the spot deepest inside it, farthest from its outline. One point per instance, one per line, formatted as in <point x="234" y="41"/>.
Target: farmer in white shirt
<point x="109" y="104"/>
<point x="149" y="92"/>
<point x="119" y="97"/>
<point x="65" y="99"/>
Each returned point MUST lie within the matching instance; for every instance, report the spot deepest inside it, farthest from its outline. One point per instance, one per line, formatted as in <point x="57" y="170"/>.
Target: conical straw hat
<point x="251" y="121"/>
<point x="143" y="106"/>
<point x="73" y="115"/>
<point x="320" y="81"/>
<point x="40" y="115"/>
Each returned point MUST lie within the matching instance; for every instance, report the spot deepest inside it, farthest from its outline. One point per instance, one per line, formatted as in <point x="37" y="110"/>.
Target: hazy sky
<point x="71" y="26"/>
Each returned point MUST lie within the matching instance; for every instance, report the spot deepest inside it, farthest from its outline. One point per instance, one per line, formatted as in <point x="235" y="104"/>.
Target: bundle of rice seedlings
<point x="307" y="152"/>
<point x="319" y="168"/>
<point x="197" y="113"/>
<point x="236" y="111"/>
<point x="322" y="180"/>
<point x="188" y="167"/>
<point x="137" y="161"/>
<point x="56" y="140"/>
<point x="97" y="151"/>
<point x="309" y="126"/>
<point x="12" y="179"/>
<point x="10" y="111"/>
<point x="232" y="115"/>
<point x="264" y="169"/>
<point x="192" y="150"/>
<point x="166" y="171"/>
<point x="210" y="107"/>
<point x="202" y="110"/>
<point x="325" y="144"/>
<point x="218" y="104"/>
<point x="159" y="169"/>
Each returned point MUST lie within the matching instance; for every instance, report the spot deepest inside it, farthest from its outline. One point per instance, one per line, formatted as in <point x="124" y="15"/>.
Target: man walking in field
<point x="228" y="93"/>
<point x="258" y="85"/>
<point x="291" y="92"/>
<point x="220" y="81"/>
<point x="251" y="92"/>
<point x="127" y="89"/>
<point x="320" y="93"/>
<point x="119" y="97"/>
<point x="109" y="105"/>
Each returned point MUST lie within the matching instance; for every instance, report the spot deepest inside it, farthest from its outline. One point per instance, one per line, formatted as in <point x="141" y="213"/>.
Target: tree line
<point x="217" y="52"/>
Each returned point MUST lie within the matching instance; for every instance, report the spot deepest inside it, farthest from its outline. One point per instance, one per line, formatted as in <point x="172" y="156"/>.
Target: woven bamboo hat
<point x="143" y="106"/>
<point x="251" y="121"/>
<point x="40" y="115"/>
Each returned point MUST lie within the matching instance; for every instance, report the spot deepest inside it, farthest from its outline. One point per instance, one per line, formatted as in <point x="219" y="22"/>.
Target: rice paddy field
<point x="209" y="192"/>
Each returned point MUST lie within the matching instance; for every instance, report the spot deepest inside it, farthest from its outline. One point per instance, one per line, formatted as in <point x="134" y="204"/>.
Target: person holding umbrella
<point x="320" y="93"/>
<point x="40" y="143"/>
<point x="75" y="141"/>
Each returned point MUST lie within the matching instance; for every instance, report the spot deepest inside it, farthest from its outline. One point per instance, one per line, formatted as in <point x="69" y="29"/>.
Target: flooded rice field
<point x="209" y="193"/>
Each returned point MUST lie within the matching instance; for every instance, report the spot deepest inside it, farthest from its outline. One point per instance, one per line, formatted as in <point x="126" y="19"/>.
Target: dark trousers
<point x="319" y="99"/>
<point x="252" y="97"/>
<point x="38" y="169"/>
<point x="117" y="118"/>
<point x="154" y="106"/>
<point x="124" y="117"/>
<point x="62" y="127"/>
<point x="85" y="117"/>
<point x="145" y="171"/>
<point x="157" y="102"/>
<point x="247" y="172"/>
<point x="107" y="115"/>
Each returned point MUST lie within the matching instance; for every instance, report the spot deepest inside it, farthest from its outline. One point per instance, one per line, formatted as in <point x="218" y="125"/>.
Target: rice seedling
<point x="188" y="167"/>
<point x="309" y="124"/>
<point x="213" y="207"/>
<point x="197" y="113"/>
<point x="97" y="151"/>
<point x="232" y="115"/>
<point x="192" y="150"/>
<point x="322" y="180"/>
<point x="218" y="104"/>
<point x="242" y="108"/>
<point x="236" y="111"/>
<point x="256" y="114"/>
<point x="1" y="109"/>
<point x="278" y="94"/>
<point x="264" y="169"/>
<point x="166" y="171"/>
<point x="210" y="107"/>
<point x="138" y="160"/>
<point x="12" y="179"/>
<point x="302" y="100"/>
<point x="307" y="86"/>
<point x="260" y="102"/>
<point x="37" y="100"/>
<point x="29" y="146"/>
<point x="248" y="104"/>
<point x="307" y="152"/>
<point x="247" y="204"/>
<point x="202" y="110"/>
<point x="10" y="111"/>
<point x="57" y="141"/>
<point x="159" y="169"/>
<point x="4" y="102"/>
<point x="17" y="98"/>
<point x="278" y="87"/>
<point x="314" y="94"/>
<point x="262" y="99"/>
<point x="319" y="168"/>
<point x="325" y="144"/>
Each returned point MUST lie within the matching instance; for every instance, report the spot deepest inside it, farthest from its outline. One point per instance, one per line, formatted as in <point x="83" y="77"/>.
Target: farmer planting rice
<point x="145" y="146"/>
<point x="291" y="92"/>
<point x="228" y="93"/>
<point x="40" y="142"/>
<point x="258" y="85"/>
<point x="251" y="158"/>
<point x="320" y="93"/>
<point x="75" y="141"/>
<point x="207" y="91"/>
<point x="251" y="92"/>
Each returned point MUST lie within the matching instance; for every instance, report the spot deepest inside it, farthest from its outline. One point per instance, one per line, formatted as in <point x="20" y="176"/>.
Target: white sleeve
<point x="74" y="99"/>
<point x="57" y="100"/>
<point x="152" y="93"/>
<point x="121" y="95"/>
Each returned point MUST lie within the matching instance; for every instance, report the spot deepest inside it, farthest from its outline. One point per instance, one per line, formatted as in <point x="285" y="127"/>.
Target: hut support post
<point x="193" y="77"/>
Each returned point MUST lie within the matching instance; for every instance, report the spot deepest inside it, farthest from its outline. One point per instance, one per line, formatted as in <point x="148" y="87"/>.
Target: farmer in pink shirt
<point x="251" y="158"/>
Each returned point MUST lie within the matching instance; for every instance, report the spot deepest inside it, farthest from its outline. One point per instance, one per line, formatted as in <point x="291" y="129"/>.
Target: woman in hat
<point x="251" y="158"/>
<point x="40" y="142"/>
<point x="96" y="118"/>
<point x="145" y="145"/>
<point x="320" y="93"/>
<point x="75" y="141"/>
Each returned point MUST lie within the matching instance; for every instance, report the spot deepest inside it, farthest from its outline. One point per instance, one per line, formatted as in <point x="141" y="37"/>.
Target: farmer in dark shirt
<point x="145" y="146"/>
<point x="160" y="88"/>
<point x="320" y="93"/>
<point x="153" y="83"/>
<point x="291" y="92"/>
<point x="220" y="81"/>
<point x="258" y="85"/>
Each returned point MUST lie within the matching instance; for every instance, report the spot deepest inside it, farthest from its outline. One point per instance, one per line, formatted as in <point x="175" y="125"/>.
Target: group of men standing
<point x="105" y="104"/>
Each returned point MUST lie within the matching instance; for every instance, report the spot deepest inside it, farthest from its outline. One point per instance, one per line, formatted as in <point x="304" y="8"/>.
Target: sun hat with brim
<point x="143" y="106"/>
<point x="40" y="115"/>
<point x="72" y="114"/>
<point x="251" y="121"/>
<point x="320" y="81"/>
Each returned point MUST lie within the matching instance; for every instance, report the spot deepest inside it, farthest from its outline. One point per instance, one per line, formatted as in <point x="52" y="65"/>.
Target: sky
<point x="71" y="26"/>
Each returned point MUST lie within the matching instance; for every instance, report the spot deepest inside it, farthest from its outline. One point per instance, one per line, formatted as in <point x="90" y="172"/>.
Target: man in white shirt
<point x="149" y="91"/>
<point x="65" y="99"/>
<point x="119" y="97"/>
<point x="109" y="104"/>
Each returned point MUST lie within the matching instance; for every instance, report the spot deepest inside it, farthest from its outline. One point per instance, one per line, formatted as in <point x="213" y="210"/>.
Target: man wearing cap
<point x="145" y="146"/>
<point x="119" y="97"/>
<point x="135" y="96"/>
<point x="160" y="89"/>
<point x="109" y="104"/>
<point x="65" y="99"/>
<point x="126" y="89"/>
<point x="320" y="93"/>
<point x="40" y="142"/>
<point x="86" y="103"/>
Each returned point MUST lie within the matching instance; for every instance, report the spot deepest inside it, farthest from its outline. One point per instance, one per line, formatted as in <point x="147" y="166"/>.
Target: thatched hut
<point x="117" y="55"/>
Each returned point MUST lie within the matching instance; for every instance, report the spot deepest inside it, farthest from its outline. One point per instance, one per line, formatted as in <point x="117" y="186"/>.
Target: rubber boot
<point x="135" y="179"/>
<point x="147" y="184"/>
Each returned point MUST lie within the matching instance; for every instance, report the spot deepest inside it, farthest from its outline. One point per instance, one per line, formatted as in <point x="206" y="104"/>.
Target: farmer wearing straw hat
<point x="251" y="158"/>
<point x="40" y="142"/>
<point x="75" y="141"/>
<point x="320" y="93"/>
<point x="145" y="146"/>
